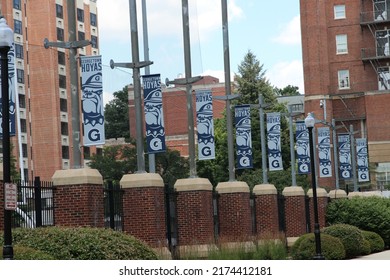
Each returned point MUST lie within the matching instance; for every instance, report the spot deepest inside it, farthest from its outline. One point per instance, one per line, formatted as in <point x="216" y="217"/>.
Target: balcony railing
<point x="375" y="53"/>
<point x="374" y="17"/>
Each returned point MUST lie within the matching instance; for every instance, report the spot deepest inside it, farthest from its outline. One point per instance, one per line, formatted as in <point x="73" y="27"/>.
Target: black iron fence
<point x="35" y="204"/>
<point x="113" y="206"/>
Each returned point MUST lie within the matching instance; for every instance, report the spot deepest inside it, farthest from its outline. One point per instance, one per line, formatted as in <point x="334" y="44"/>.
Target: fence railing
<point x="35" y="204"/>
<point x="113" y="206"/>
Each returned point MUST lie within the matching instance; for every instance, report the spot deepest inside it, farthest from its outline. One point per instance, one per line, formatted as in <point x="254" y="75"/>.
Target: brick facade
<point x="322" y="203"/>
<point x="295" y="215"/>
<point x="267" y="213"/>
<point x="234" y="213"/>
<point x="194" y="210"/>
<point x="143" y="208"/>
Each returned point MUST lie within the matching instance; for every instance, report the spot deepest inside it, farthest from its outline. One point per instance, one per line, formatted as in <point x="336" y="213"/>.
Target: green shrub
<point x="27" y="253"/>
<point x="83" y="243"/>
<point x="365" y="248"/>
<point x="376" y="241"/>
<point x="366" y="213"/>
<point x="304" y="248"/>
<point x="350" y="236"/>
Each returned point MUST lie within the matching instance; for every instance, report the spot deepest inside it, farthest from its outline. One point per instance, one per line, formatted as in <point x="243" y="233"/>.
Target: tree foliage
<point x="116" y="114"/>
<point x="287" y="91"/>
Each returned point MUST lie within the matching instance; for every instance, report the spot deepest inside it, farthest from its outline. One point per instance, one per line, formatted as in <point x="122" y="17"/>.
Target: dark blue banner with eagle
<point x="205" y="124"/>
<point x="242" y="116"/>
<point x="154" y="117"/>
<point x="92" y="100"/>
<point x="274" y="142"/>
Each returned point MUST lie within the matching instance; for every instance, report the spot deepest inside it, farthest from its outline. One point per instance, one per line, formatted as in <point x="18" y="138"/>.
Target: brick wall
<point x="144" y="214"/>
<point x="267" y="214"/>
<point x="79" y="205"/>
<point x="1" y="206"/>
<point x="295" y="215"/>
<point x="234" y="216"/>
<point x="195" y="217"/>
<point x="322" y="203"/>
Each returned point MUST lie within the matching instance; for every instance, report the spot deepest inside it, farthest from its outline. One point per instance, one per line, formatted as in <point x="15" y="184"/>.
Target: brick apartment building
<point x="43" y="83"/>
<point x="346" y="60"/>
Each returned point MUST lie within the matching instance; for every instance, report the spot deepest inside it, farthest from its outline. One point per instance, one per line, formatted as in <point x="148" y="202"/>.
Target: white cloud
<point x="290" y="33"/>
<point x="287" y="73"/>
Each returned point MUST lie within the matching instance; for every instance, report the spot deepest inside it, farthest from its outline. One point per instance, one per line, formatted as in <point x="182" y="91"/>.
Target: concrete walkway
<point x="385" y="255"/>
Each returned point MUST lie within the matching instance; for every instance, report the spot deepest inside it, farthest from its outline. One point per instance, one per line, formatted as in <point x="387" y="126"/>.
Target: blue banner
<point x="205" y="124"/>
<point x="345" y="156"/>
<point x="154" y="117"/>
<point x="274" y="142"/>
<point x="303" y="148"/>
<point x="92" y="100"/>
<point x="362" y="160"/>
<point x="324" y="152"/>
<point x="11" y="94"/>
<point x="242" y="118"/>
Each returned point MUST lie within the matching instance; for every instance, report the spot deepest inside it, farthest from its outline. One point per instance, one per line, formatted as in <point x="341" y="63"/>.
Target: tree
<point x="116" y="114"/>
<point x="287" y="91"/>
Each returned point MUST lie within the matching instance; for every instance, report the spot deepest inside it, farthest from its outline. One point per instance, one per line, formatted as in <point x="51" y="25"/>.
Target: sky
<point x="271" y="34"/>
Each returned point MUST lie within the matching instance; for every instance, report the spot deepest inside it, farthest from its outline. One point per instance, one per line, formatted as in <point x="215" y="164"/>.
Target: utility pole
<point x="136" y="65"/>
<point x="72" y="45"/>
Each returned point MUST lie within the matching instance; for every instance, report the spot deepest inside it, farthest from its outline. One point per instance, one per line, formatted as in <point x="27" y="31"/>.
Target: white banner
<point x="92" y="100"/>
<point x="324" y="153"/>
<point x="205" y="124"/>
<point x="274" y="142"/>
<point x="362" y="160"/>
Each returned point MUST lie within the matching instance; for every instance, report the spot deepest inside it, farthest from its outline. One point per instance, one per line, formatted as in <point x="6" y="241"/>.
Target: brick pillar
<point x="194" y="210"/>
<point x="295" y="214"/>
<point x="336" y="194"/>
<point x="1" y="198"/>
<point x="78" y="198"/>
<point x="322" y="203"/>
<point x="234" y="212"/>
<point x="267" y="212"/>
<point x="143" y="208"/>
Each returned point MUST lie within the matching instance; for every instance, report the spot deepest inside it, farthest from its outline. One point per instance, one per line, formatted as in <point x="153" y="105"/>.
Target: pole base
<point x="8" y="252"/>
<point x="318" y="257"/>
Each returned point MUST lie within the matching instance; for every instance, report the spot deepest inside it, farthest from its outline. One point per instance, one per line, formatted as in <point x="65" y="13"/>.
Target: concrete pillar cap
<point x="334" y="194"/>
<point x="139" y="180"/>
<point x="354" y="194"/>
<point x="193" y="184"/>
<point x="321" y="192"/>
<point x="293" y="191"/>
<point x="1" y="172"/>
<point x="77" y="177"/>
<point x="232" y="187"/>
<point x="264" y="189"/>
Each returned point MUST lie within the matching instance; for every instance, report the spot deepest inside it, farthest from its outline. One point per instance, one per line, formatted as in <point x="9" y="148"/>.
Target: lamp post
<point x="6" y="40"/>
<point x="309" y="122"/>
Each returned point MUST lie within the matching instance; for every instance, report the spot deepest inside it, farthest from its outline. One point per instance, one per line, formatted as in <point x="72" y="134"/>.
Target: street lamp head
<point x="310" y="121"/>
<point x="6" y="34"/>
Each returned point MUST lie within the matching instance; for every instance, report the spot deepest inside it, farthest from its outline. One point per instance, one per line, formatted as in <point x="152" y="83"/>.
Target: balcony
<point x="376" y="17"/>
<point x="378" y="53"/>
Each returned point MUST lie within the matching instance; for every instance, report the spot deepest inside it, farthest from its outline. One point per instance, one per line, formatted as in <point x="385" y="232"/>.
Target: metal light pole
<point x="309" y="122"/>
<point x="6" y="40"/>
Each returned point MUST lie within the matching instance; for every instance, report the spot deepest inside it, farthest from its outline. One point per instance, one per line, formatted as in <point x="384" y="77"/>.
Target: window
<point x="19" y="51"/>
<point x="93" y="19"/>
<point x="381" y="9"/>
<point x="63" y="105"/>
<point x="22" y="101"/>
<point x="81" y="36"/>
<point x="64" y="128"/>
<point x="59" y="11"/>
<point x="20" y="75"/>
<point x="23" y="125"/>
<point x="62" y="81"/>
<point x="339" y="12"/>
<point x="87" y="153"/>
<point x="383" y="78"/>
<point x="94" y="41"/>
<point x="80" y="15"/>
<point x="18" y="27"/>
<point x="382" y="42"/>
<point x="341" y="44"/>
<point x="65" y="152"/>
<point x="17" y="4"/>
<point x="60" y="34"/>
<point x="344" y="81"/>
<point x="61" y="58"/>
<point x="24" y="150"/>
